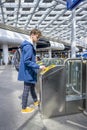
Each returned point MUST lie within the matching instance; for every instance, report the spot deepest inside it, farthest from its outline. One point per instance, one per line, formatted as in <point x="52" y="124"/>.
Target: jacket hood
<point x="25" y="43"/>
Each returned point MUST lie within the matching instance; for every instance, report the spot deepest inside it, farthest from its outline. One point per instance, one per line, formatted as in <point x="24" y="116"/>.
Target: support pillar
<point x="50" y="53"/>
<point x="5" y="54"/>
<point x="73" y="35"/>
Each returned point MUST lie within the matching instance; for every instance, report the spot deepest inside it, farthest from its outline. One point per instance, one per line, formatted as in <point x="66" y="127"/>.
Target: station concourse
<point x="63" y="86"/>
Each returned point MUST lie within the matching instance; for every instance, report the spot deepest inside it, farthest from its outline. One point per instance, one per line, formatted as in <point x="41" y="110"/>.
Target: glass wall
<point x="73" y="79"/>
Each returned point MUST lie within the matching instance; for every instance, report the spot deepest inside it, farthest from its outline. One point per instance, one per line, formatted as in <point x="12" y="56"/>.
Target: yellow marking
<point x="47" y="69"/>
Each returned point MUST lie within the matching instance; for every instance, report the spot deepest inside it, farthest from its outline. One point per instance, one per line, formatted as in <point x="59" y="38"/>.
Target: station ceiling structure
<point x="50" y="16"/>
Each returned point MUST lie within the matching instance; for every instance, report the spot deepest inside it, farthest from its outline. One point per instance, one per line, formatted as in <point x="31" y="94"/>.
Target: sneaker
<point x="27" y="110"/>
<point x="36" y="103"/>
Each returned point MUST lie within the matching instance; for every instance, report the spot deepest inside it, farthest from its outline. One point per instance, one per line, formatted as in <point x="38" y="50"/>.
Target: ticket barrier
<point x="52" y="91"/>
<point x="63" y="88"/>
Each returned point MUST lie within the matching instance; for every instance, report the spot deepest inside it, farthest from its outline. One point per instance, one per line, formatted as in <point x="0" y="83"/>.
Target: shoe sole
<point x="28" y="112"/>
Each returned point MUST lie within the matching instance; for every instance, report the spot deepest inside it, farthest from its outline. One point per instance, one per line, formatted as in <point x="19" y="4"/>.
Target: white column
<point x="5" y="54"/>
<point x="73" y="36"/>
<point x="68" y="54"/>
<point x="50" y="53"/>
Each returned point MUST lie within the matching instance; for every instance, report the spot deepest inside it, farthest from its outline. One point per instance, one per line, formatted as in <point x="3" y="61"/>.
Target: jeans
<point x="28" y="87"/>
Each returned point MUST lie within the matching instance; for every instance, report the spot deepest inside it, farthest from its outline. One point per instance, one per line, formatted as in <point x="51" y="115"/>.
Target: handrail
<point x="72" y="59"/>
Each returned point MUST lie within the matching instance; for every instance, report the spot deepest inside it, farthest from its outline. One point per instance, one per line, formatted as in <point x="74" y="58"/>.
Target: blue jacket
<point x="28" y="67"/>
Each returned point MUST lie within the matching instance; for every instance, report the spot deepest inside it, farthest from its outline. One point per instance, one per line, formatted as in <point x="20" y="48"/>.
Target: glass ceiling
<point x="50" y="16"/>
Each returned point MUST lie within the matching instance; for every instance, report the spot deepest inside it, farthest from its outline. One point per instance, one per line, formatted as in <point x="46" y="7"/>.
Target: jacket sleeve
<point x="27" y="55"/>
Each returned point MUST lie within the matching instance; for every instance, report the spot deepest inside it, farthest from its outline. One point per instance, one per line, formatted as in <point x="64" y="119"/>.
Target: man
<point x="28" y="69"/>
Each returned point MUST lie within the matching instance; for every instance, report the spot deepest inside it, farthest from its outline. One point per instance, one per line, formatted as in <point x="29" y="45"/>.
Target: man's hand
<point x="42" y="67"/>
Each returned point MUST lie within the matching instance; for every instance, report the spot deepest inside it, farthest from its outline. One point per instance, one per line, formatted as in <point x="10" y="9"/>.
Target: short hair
<point x="36" y="32"/>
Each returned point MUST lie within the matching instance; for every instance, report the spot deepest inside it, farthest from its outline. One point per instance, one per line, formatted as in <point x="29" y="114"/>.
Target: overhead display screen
<point x="71" y="4"/>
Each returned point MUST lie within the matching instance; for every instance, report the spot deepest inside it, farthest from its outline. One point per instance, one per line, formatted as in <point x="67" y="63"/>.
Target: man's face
<point x="35" y="38"/>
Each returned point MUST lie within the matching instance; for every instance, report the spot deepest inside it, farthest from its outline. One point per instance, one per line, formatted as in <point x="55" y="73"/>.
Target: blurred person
<point x="38" y="58"/>
<point x="28" y="69"/>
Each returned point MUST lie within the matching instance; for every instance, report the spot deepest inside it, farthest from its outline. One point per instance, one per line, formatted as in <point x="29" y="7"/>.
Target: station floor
<point x="11" y="117"/>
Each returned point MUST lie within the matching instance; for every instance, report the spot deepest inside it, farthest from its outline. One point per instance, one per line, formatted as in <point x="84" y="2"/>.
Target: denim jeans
<point x="28" y="87"/>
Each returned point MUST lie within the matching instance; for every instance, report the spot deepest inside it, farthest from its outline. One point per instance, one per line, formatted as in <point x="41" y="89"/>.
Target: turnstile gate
<point x="53" y="92"/>
<point x="63" y="88"/>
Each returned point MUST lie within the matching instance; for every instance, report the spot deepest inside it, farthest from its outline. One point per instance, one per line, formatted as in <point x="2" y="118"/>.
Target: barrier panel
<point x="53" y="92"/>
<point x="74" y="85"/>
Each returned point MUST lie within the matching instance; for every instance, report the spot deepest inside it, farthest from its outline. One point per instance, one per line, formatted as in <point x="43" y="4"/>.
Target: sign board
<point x="71" y="4"/>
